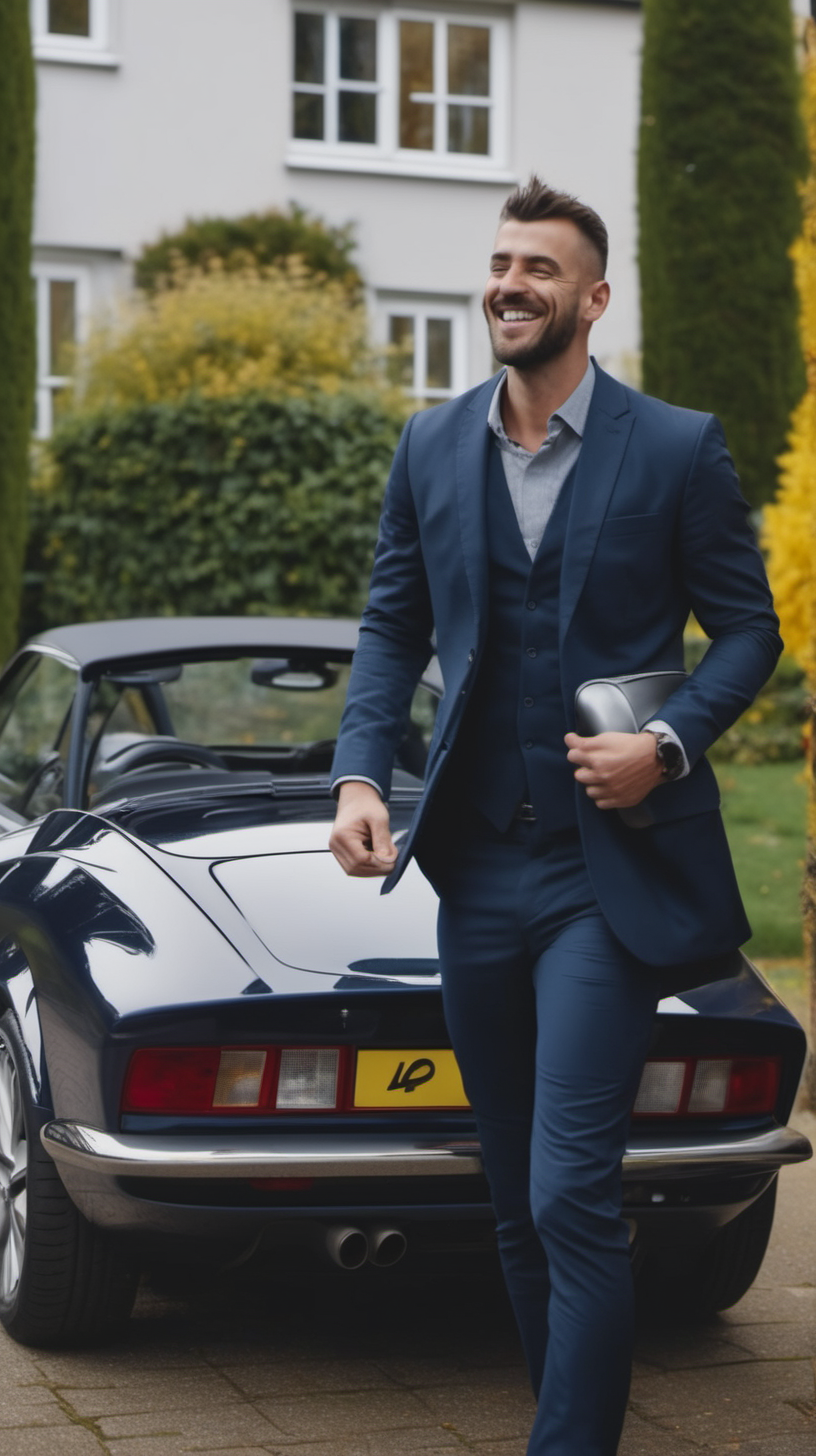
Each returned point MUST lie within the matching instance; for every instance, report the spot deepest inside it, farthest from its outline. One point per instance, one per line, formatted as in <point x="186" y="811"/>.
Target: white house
<point x="410" y="120"/>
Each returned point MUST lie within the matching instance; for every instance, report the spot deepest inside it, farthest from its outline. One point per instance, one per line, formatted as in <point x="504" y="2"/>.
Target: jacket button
<point x="529" y="743"/>
<point x="528" y="702"/>
<point x="532" y="652"/>
<point x="531" y="606"/>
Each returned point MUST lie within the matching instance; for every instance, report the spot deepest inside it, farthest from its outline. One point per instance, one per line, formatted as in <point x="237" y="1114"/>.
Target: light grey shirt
<point x="535" y="480"/>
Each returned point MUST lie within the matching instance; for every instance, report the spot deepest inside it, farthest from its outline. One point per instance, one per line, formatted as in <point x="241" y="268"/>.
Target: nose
<point x="512" y="281"/>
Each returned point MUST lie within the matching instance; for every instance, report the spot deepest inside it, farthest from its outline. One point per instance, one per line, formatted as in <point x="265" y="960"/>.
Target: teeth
<point x="515" y="315"/>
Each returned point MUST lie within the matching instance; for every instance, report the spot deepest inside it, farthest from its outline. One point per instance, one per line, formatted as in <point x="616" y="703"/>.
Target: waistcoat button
<point x="528" y="702"/>
<point x="531" y="606"/>
<point x="532" y="652"/>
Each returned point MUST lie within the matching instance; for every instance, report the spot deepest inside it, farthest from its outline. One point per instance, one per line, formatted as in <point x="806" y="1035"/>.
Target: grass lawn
<point x="764" y="813"/>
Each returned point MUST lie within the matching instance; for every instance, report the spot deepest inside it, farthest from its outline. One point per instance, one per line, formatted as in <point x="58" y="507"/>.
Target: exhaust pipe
<point x="386" y="1246"/>
<point x="347" y="1247"/>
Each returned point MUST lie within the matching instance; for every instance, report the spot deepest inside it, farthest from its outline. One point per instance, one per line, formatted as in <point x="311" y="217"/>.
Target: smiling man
<point x="552" y="526"/>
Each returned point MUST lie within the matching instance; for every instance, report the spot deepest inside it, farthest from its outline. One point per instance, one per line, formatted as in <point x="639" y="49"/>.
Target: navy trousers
<point x="550" y="1019"/>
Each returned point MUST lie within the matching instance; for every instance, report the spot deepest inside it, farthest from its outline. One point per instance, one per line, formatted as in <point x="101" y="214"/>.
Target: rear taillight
<point x="195" y="1080"/>
<point x="708" y="1086"/>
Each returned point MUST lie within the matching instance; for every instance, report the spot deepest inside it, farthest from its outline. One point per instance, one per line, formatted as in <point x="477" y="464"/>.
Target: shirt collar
<point x="572" y="412"/>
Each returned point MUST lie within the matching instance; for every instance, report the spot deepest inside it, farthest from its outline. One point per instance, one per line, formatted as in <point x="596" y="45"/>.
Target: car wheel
<point x="62" y="1282"/>
<point x="715" y="1277"/>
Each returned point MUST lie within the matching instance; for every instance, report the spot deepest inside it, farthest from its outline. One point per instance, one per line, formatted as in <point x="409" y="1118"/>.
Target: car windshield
<point x="275" y="714"/>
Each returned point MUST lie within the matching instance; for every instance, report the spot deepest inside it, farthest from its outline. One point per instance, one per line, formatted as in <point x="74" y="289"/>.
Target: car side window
<point x="35" y="711"/>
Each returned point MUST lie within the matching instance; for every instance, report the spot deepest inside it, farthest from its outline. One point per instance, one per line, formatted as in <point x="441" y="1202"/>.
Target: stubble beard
<point x="555" y="339"/>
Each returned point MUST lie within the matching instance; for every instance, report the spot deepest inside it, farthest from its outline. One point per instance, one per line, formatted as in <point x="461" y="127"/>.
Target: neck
<point x="530" y="396"/>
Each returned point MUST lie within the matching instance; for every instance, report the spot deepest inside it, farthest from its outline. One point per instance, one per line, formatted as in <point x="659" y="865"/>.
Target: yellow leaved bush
<point x="790" y="522"/>
<point x="276" y="330"/>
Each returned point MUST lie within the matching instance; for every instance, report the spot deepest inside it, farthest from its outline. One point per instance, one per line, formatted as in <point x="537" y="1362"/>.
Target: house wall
<point x="188" y="114"/>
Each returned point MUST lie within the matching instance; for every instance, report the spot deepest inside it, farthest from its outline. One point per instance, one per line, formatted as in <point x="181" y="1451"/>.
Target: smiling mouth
<point x="514" y="315"/>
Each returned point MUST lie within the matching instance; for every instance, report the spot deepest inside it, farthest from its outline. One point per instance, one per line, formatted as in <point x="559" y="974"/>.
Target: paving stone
<point x="150" y="1391"/>
<point x="227" y="1423"/>
<point x="479" y="1413"/>
<point x="48" y="1440"/>
<point x="308" y="1377"/>
<point x="737" y="1402"/>
<point x="341" y="1416"/>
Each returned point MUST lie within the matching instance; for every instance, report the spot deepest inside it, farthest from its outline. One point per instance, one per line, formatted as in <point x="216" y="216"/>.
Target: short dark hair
<point x="536" y="201"/>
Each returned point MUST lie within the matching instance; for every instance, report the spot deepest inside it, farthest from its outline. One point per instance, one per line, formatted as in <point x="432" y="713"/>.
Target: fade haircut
<point x="537" y="201"/>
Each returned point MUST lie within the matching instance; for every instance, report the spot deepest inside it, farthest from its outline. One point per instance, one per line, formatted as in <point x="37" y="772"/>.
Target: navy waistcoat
<point x="512" y="741"/>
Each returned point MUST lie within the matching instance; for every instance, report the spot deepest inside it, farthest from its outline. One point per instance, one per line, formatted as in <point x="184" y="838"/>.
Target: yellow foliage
<point x="790" y="523"/>
<point x="278" y="330"/>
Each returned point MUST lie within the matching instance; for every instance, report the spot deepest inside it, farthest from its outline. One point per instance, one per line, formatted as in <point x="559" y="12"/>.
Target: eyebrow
<point x="528" y="258"/>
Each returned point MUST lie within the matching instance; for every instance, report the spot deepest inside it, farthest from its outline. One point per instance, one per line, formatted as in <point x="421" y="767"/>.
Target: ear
<point x="597" y="299"/>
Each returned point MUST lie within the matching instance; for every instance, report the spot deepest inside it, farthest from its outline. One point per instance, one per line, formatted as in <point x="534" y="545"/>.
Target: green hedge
<point x="721" y="147"/>
<point x="244" y="505"/>
<point x="263" y="237"/>
<point x="16" y="301"/>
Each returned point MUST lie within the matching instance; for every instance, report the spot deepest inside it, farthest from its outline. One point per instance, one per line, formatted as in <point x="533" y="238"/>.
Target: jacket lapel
<point x="608" y="427"/>
<point x="472" y="454"/>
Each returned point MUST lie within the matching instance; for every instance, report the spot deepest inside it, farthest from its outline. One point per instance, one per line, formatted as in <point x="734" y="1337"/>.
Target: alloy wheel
<point x="13" y="1170"/>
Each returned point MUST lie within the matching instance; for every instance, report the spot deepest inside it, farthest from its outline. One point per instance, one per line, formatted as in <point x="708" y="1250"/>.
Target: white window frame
<point x="47" y="383"/>
<point x="421" y="308"/>
<point x="77" y="50"/>
<point x="386" y="155"/>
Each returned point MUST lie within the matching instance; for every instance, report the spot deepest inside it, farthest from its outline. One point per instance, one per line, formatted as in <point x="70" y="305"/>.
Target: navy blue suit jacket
<point x="657" y="529"/>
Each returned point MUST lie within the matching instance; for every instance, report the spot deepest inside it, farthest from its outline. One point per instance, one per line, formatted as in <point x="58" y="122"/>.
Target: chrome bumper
<point x="117" y="1155"/>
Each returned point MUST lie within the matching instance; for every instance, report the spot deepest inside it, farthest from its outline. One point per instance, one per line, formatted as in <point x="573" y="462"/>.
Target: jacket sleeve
<point x="395" y="639"/>
<point x="724" y="576"/>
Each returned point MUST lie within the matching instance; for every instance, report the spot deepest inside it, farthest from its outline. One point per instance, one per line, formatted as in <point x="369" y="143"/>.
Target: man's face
<point x="537" y="295"/>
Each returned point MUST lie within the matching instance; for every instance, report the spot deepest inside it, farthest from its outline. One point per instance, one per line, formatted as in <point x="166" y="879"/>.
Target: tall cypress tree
<point x="17" y="336"/>
<point x="721" y="150"/>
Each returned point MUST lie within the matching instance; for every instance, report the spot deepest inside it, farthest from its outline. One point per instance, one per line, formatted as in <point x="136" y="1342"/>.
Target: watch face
<point x="670" y="757"/>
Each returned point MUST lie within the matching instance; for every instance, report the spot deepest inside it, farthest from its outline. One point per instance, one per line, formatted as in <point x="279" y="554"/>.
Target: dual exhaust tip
<point x="351" y="1248"/>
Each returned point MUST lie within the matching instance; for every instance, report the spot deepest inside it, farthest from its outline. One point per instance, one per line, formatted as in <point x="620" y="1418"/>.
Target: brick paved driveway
<point x="344" y="1366"/>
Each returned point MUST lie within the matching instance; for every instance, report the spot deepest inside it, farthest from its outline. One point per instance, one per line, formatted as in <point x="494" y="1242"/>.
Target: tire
<point x="714" y="1278"/>
<point x="62" y="1282"/>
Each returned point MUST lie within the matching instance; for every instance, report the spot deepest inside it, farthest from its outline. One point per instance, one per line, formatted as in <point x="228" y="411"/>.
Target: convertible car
<point x="212" y="1043"/>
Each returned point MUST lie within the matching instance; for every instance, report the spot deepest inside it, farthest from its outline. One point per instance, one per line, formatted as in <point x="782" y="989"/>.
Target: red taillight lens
<point x="708" y="1086"/>
<point x="171" y="1079"/>
<point x="194" y="1080"/>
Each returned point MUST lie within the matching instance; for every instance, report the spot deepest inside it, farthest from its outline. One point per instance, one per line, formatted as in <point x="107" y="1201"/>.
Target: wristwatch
<point x="669" y="755"/>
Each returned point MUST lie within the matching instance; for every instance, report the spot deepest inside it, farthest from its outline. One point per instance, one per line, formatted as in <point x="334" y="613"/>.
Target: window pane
<point x="358" y="49"/>
<point x="468" y="60"/>
<point x="307" y="121"/>
<point x="438" y="345"/>
<point x="469" y="130"/>
<point x="356" y="116"/>
<point x="69" y="17"/>
<point x="62" y="324"/>
<point x="309" y="50"/>
<point x="416" y="74"/>
<point x="401" y="337"/>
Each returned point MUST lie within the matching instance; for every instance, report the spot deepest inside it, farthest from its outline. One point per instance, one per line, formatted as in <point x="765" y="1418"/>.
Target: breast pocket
<point x="631" y="525"/>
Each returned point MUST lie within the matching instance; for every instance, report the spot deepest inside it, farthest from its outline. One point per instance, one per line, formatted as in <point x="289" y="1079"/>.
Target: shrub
<point x="240" y="505"/>
<point x="216" y="333"/>
<point x="16" y="302"/>
<point x="720" y="151"/>
<point x="259" y="238"/>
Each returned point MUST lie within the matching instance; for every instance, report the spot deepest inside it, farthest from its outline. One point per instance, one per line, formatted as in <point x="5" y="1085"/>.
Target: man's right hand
<point x="361" y="838"/>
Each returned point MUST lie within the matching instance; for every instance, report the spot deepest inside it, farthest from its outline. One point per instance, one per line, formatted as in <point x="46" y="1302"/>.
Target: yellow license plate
<point x="408" y="1079"/>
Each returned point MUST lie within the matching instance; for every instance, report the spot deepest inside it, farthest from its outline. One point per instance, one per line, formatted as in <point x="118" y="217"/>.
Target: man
<point x="552" y="526"/>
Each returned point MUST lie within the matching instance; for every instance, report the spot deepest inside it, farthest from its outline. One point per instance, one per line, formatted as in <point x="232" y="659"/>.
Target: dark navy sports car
<point x="212" y="1042"/>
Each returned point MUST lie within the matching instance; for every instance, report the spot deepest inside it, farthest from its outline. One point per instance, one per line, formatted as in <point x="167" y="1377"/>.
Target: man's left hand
<point x="617" y="770"/>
